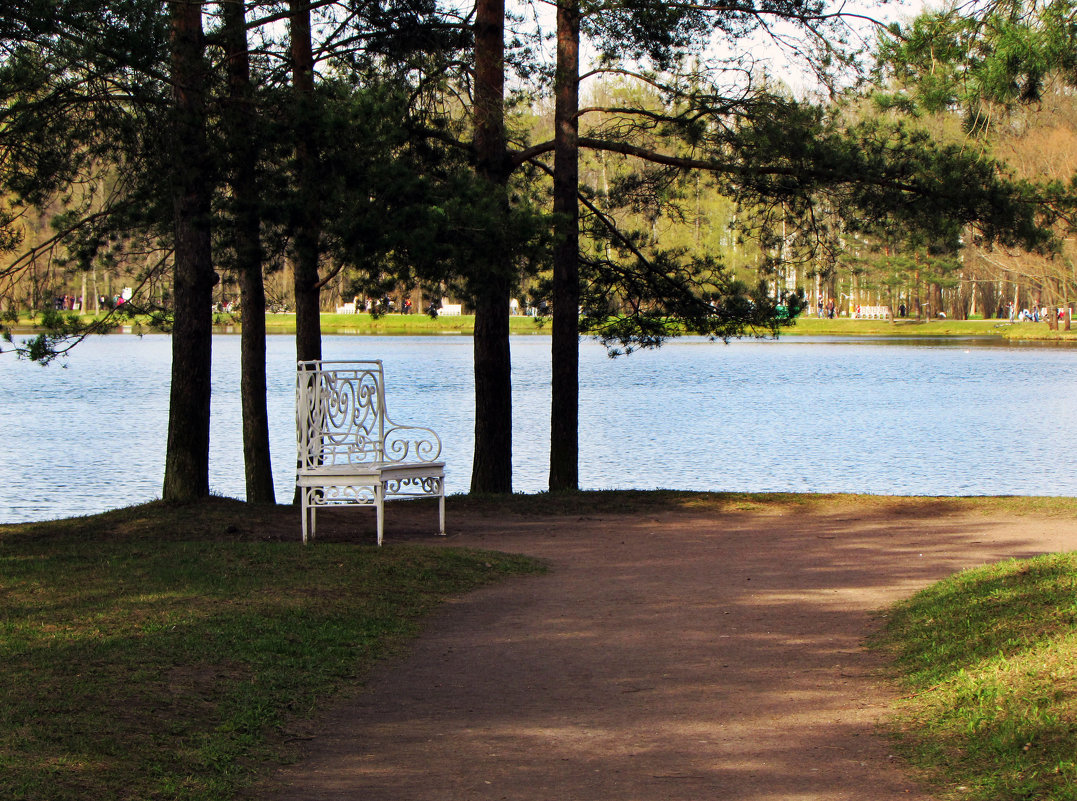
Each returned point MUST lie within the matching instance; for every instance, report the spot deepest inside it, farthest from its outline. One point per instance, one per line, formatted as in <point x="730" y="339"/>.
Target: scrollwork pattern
<point x="418" y="485"/>
<point x="340" y="417"/>
<point x="411" y="442"/>
<point x="338" y="494"/>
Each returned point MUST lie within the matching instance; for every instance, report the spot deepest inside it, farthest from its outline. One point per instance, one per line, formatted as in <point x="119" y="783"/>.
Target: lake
<point x="799" y="415"/>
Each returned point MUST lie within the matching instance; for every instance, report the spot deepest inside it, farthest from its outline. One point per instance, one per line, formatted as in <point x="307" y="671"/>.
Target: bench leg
<point x="379" y="502"/>
<point x="441" y="511"/>
<point x="308" y="510"/>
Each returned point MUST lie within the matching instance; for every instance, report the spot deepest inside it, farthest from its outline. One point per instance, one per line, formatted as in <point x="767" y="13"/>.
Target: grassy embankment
<point x="812" y="326"/>
<point x="805" y="326"/>
<point x="989" y="660"/>
<point x="387" y="324"/>
<point x="176" y="653"/>
<point x="402" y="324"/>
<point x="420" y="324"/>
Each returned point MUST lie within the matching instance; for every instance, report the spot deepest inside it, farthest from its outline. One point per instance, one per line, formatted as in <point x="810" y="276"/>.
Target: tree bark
<point x="491" y="470"/>
<point x="565" y="348"/>
<point x="240" y="123"/>
<point x="187" y="451"/>
<point x="307" y="234"/>
<point x="492" y="465"/>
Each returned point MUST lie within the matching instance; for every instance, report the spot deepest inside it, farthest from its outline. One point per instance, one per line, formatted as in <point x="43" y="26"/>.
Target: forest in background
<point x="973" y="280"/>
<point x="684" y="212"/>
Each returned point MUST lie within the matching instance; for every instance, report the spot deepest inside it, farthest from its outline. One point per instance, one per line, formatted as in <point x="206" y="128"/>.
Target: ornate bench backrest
<point x="340" y="418"/>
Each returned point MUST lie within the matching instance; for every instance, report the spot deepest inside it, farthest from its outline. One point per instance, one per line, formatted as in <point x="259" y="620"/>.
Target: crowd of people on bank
<point x="1033" y="314"/>
<point x="1039" y="313"/>
<point x="74" y="302"/>
<point x="827" y="309"/>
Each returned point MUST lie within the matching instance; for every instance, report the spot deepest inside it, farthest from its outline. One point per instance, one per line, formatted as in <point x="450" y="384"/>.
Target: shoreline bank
<point x="463" y="325"/>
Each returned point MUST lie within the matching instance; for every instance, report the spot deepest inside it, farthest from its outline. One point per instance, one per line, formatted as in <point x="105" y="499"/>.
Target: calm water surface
<point x="796" y="415"/>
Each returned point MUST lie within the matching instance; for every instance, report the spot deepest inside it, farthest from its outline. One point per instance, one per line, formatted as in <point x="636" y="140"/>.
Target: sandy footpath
<point x="683" y="655"/>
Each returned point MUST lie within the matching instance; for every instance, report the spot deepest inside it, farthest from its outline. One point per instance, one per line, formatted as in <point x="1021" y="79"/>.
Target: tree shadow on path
<point x="708" y="652"/>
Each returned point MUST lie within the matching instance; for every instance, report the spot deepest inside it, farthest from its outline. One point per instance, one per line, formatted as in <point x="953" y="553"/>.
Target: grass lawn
<point x="386" y="324"/>
<point x="402" y="324"/>
<point x="165" y="652"/>
<point x="813" y="326"/>
<point x="421" y="324"/>
<point x="989" y="661"/>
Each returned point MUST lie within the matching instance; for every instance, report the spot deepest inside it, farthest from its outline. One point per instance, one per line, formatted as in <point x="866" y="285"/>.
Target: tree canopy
<point x="375" y="148"/>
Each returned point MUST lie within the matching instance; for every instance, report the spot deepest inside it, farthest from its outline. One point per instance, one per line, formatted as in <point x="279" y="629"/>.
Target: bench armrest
<point x="410" y="443"/>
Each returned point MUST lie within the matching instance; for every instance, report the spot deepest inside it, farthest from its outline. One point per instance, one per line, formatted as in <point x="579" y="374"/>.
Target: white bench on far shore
<point x="350" y="452"/>
<point x="873" y="313"/>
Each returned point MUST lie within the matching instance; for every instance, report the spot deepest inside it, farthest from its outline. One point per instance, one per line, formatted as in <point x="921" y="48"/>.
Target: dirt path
<point x="680" y="656"/>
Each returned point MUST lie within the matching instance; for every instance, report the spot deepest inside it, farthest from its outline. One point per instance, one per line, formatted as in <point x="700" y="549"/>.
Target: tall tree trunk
<point x="565" y="347"/>
<point x="307" y="235"/>
<point x="491" y="470"/>
<point x="492" y="466"/>
<point x="257" y="467"/>
<point x="187" y="452"/>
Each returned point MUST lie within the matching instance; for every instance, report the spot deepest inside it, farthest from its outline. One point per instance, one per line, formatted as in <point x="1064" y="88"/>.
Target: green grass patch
<point x="172" y="652"/>
<point x="383" y="325"/>
<point x="422" y="325"/>
<point x="402" y="324"/>
<point x="908" y="327"/>
<point x="911" y="327"/>
<point x="989" y="657"/>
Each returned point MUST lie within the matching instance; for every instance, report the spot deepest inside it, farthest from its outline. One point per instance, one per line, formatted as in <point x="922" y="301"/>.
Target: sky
<point x="766" y="52"/>
<point x="862" y="32"/>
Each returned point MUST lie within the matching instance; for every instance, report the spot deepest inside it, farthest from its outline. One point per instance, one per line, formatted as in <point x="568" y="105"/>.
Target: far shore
<point x="463" y="324"/>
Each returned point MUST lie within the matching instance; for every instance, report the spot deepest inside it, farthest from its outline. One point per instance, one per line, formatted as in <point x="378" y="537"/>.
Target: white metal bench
<point x="873" y="313"/>
<point x="350" y="452"/>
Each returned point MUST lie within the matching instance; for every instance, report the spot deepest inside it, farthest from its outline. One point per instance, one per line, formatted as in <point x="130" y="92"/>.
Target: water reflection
<point x="799" y="415"/>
